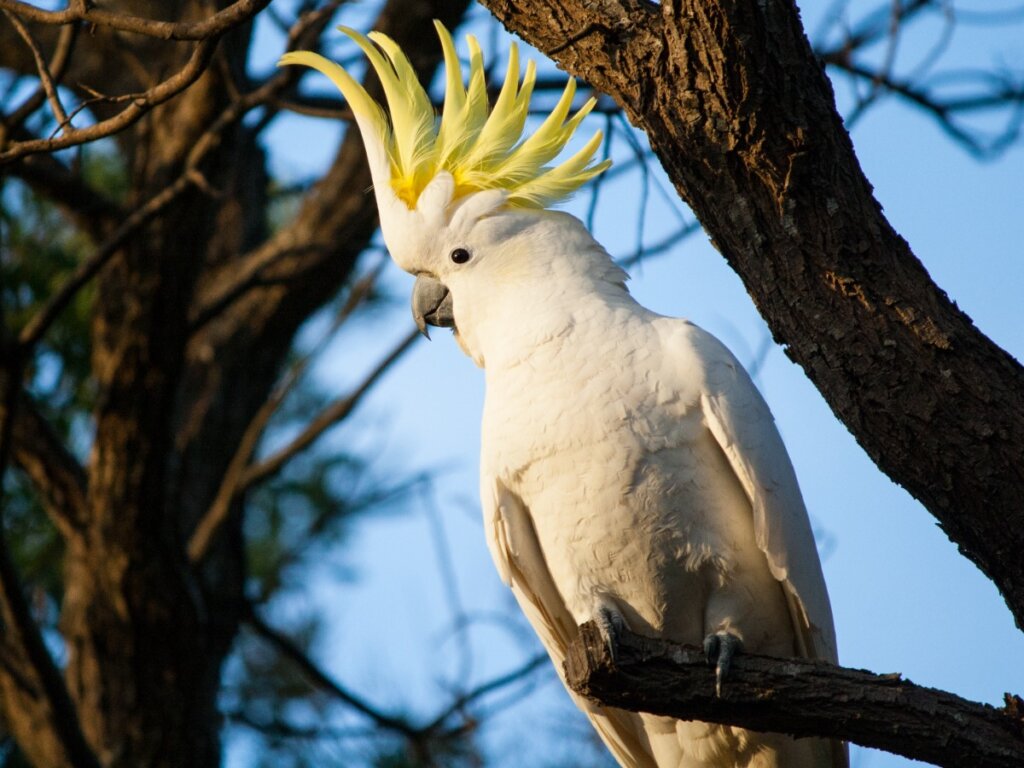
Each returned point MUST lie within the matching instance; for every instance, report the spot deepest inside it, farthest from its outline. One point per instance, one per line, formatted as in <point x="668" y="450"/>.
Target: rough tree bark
<point x="797" y="696"/>
<point x="743" y="119"/>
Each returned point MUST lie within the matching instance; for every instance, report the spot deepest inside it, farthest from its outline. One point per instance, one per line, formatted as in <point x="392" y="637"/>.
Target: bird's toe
<point x="719" y="648"/>
<point x="611" y="624"/>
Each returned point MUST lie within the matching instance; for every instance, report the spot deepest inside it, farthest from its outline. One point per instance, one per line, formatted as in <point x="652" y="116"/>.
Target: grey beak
<point x="431" y="304"/>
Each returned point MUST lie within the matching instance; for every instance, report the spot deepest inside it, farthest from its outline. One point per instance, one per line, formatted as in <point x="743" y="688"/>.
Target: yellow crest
<point x="482" y="147"/>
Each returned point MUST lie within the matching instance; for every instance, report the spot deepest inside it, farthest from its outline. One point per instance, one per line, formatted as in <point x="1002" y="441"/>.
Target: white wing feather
<point x="743" y="426"/>
<point x="520" y="561"/>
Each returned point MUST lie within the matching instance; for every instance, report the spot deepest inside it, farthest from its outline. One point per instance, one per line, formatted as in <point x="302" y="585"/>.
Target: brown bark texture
<point x="743" y="119"/>
<point x="799" y="697"/>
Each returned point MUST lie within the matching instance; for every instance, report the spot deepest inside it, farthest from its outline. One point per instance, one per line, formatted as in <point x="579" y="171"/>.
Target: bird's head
<point x="455" y="190"/>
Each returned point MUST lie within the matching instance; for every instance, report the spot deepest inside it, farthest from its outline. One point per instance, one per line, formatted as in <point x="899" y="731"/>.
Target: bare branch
<point x="140" y="104"/>
<point x="1005" y="94"/>
<point x="524" y="670"/>
<point x="212" y="27"/>
<point x="666" y="243"/>
<point x="878" y="23"/>
<point x="797" y="696"/>
<point x="54" y="472"/>
<point x="91" y="210"/>
<point x="38" y="325"/>
<point x="417" y="735"/>
<point x="281" y="729"/>
<point x="55" y="69"/>
<point x="889" y="21"/>
<point x="45" y="79"/>
<point x="63" y="718"/>
<point x="231" y="486"/>
<point x="208" y="33"/>
<point x="327" y="418"/>
<point x="241" y="475"/>
<point x="287" y="648"/>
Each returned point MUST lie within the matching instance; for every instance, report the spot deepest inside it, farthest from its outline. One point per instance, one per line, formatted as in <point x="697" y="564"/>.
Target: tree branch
<point x="49" y="75"/>
<point x="60" y="298"/>
<point x="797" y="696"/>
<point x="462" y="701"/>
<point x="57" y="711"/>
<point x="242" y="475"/>
<point x="207" y="33"/>
<point x="214" y="26"/>
<point x="89" y="208"/>
<point x="55" y="473"/>
<point x="62" y="716"/>
<point x="287" y="648"/>
<point x="1007" y="94"/>
<point x="417" y="735"/>
<point x="139" y="105"/>
<point x="328" y="417"/>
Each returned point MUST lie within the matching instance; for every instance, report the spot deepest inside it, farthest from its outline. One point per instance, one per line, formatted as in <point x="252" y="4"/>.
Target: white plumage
<point x="630" y="471"/>
<point x="630" y="466"/>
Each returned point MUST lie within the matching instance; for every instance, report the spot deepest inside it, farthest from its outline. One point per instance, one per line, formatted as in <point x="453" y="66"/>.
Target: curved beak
<point x="431" y="304"/>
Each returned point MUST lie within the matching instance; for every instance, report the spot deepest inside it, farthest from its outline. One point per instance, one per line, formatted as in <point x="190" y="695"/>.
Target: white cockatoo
<point x="630" y="472"/>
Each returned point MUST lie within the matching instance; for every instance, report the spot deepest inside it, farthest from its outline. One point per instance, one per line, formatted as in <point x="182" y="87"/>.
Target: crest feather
<point x="480" y="146"/>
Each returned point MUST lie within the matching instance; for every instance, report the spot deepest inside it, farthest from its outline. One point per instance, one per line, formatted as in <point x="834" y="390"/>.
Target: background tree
<point x="155" y="407"/>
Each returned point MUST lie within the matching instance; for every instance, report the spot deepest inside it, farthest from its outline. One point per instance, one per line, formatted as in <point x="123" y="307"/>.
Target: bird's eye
<point x="460" y="256"/>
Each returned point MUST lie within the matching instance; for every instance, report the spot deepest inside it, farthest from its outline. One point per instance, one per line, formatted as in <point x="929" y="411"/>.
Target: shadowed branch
<point x="215" y="25"/>
<point x="797" y="696"/>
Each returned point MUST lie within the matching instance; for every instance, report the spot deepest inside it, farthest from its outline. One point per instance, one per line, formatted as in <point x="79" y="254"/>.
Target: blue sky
<point x="904" y="599"/>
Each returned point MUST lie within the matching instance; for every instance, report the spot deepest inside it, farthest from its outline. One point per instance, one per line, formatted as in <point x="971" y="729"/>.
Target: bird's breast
<point x="621" y="479"/>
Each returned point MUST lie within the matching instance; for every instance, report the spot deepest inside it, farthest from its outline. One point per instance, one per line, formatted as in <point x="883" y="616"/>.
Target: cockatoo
<point x="630" y="472"/>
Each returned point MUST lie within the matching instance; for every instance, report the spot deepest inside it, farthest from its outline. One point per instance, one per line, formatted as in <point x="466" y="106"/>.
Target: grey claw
<point x="611" y="624"/>
<point x="719" y="648"/>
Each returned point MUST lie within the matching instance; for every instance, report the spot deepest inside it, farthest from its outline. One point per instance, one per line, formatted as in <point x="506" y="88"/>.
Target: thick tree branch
<point x="62" y="718"/>
<point x="741" y="115"/>
<point x="799" y="697"/>
<point x="54" y="472"/>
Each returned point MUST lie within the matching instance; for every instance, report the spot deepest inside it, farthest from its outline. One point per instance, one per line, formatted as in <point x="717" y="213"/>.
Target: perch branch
<point x="798" y="696"/>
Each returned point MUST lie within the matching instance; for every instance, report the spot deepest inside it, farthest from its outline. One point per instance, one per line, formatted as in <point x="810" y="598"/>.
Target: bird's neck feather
<point x="541" y="287"/>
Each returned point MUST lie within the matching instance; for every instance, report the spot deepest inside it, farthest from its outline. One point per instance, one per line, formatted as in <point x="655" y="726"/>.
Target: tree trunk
<point x="195" y="314"/>
<point x="743" y="119"/>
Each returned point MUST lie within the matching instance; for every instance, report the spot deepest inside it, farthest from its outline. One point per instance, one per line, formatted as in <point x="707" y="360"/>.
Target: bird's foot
<point x="611" y="625"/>
<point x="719" y="648"/>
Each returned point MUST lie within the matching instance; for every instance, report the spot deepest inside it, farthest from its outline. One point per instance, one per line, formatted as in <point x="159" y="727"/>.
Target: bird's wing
<point x="738" y="418"/>
<point x="517" y="553"/>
